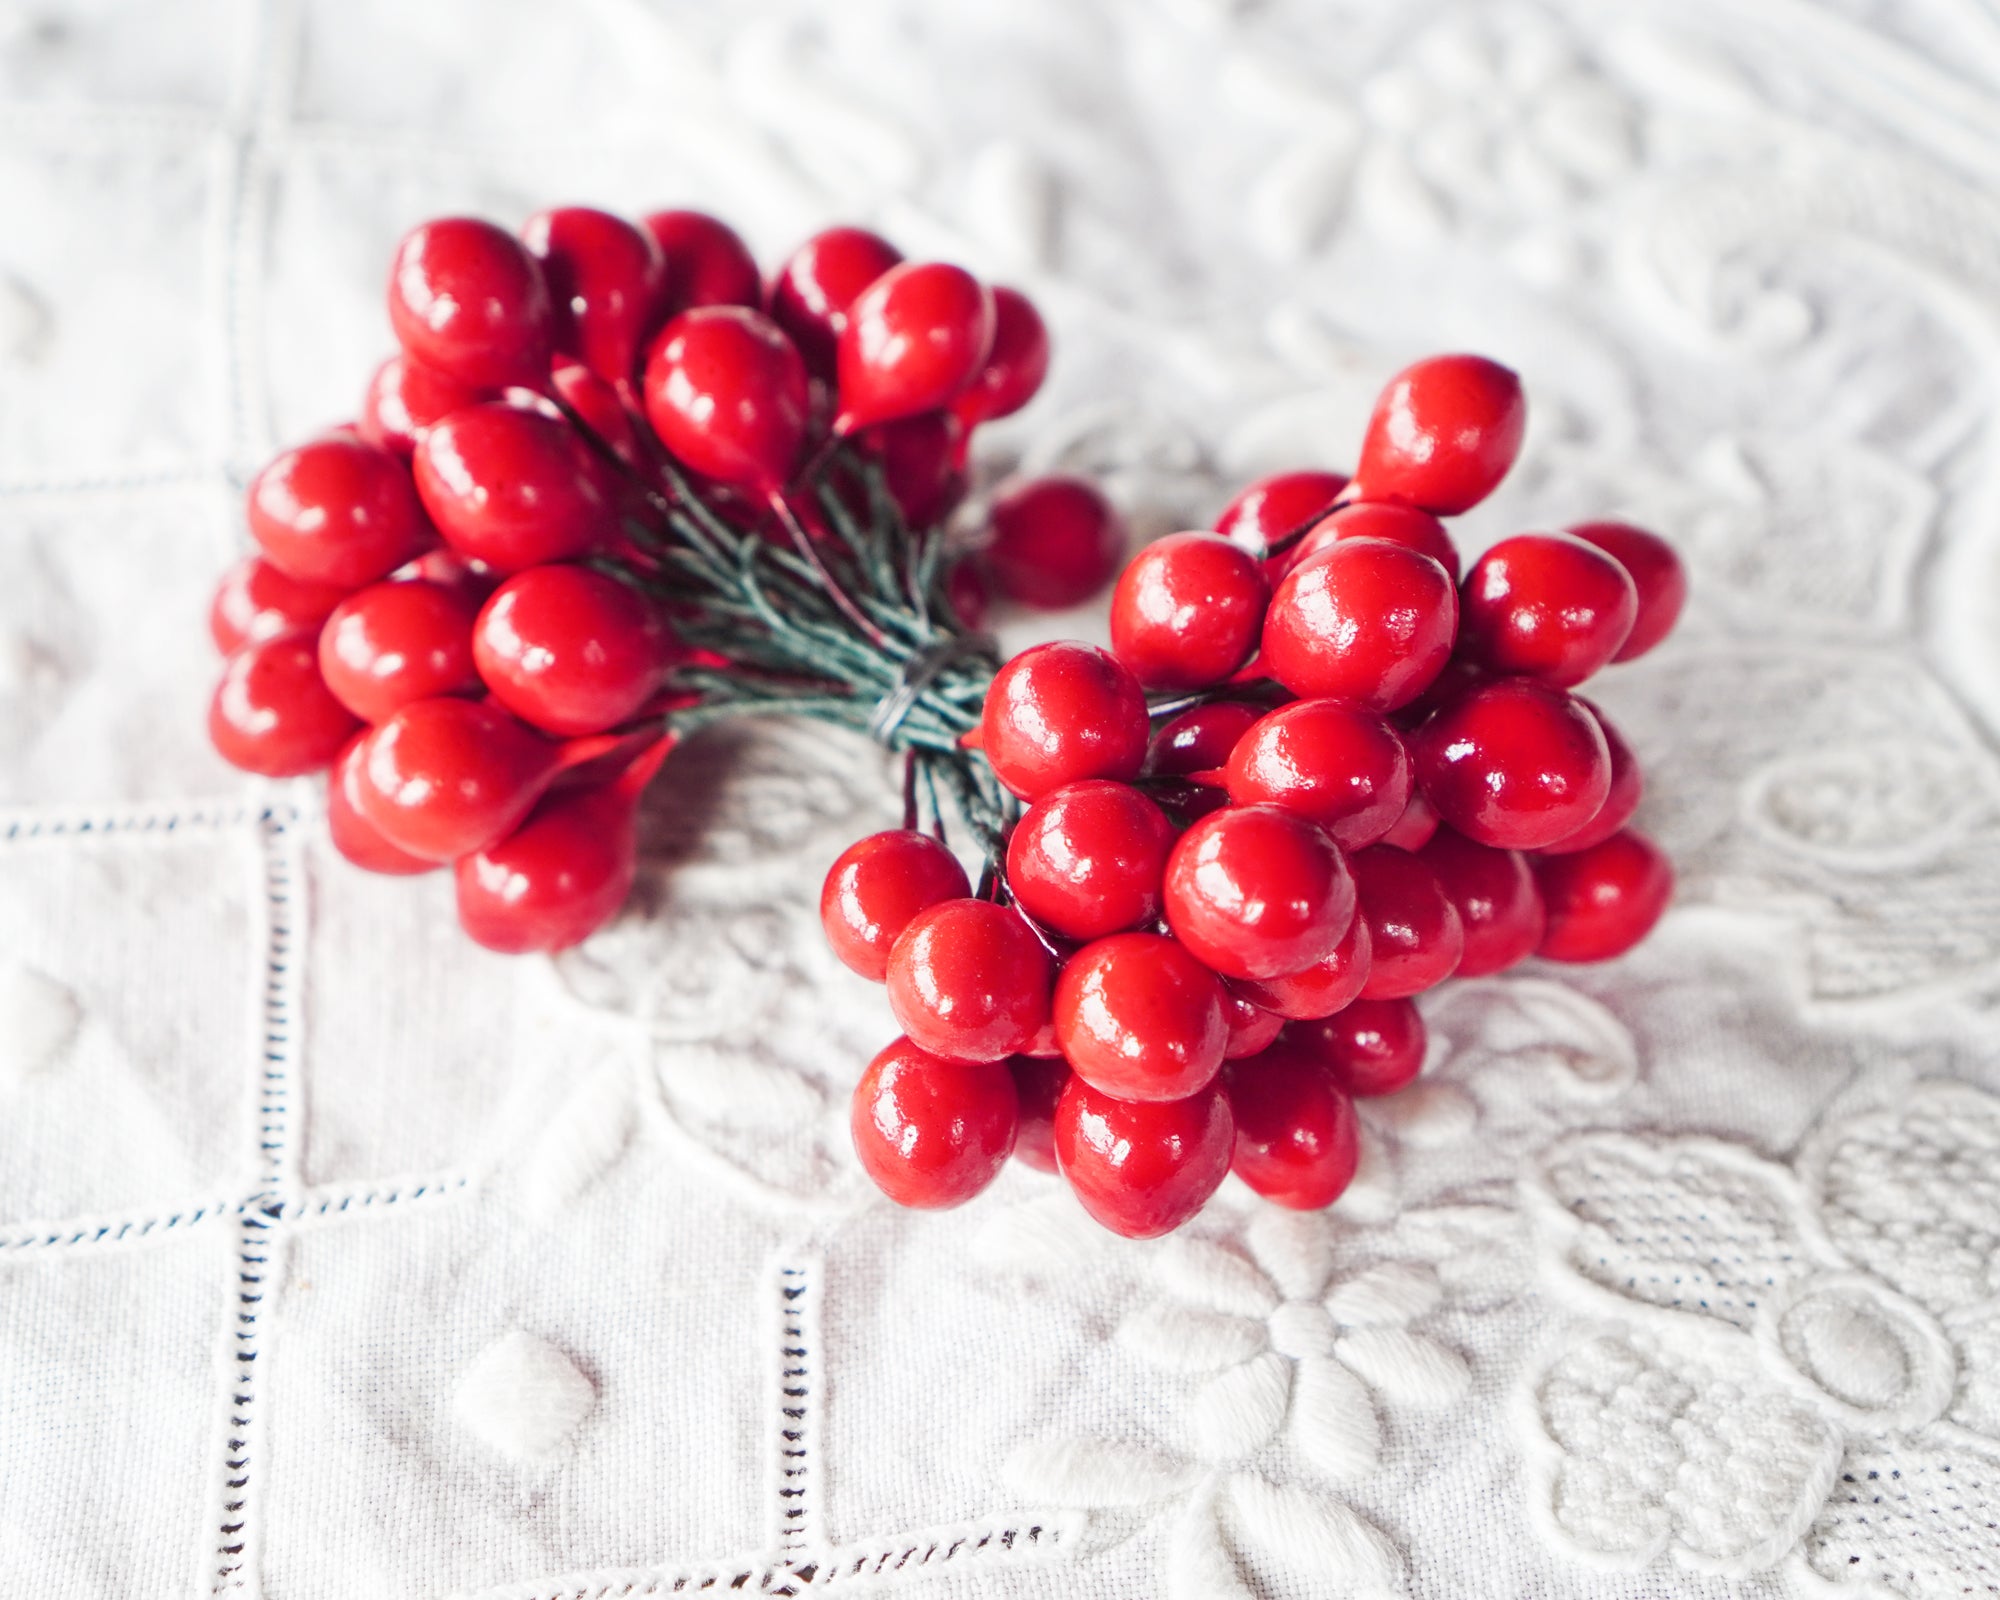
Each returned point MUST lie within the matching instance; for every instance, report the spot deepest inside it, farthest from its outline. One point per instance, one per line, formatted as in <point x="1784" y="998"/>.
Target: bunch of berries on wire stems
<point x="1319" y="773"/>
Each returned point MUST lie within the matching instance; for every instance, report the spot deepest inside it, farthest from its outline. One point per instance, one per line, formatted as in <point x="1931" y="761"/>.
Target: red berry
<point x="445" y="566"/>
<point x="919" y="460"/>
<point x="1140" y="1018"/>
<point x="1414" y="828"/>
<point x="1087" y="860"/>
<point x="572" y="651"/>
<point x="1514" y="764"/>
<point x="606" y="281"/>
<point x="1494" y="892"/>
<point x="1443" y="435"/>
<point x="1373" y="1047"/>
<point x="968" y="979"/>
<point x="818" y="282"/>
<point x="1323" y="988"/>
<point x="1382" y="519"/>
<point x="1142" y="1168"/>
<point x="443" y="778"/>
<point x="255" y="600"/>
<point x="1257" y="891"/>
<point x="1546" y="606"/>
<point x="727" y="394"/>
<point x="405" y="399"/>
<point x="353" y="835"/>
<point x="914" y="338"/>
<point x="1014" y="367"/>
<point x="876" y="889"/>
<point x="968" y="592"/>
<point x="1363" y="621"/>
<point x="396" y="642"/>
<point x="273" y="714"/>
<point x="1297" y="1141"/>
<point x="1273" y="507"/>
<point x="1187" y="611"/>
<point x="1414" y="935"/>
<point x="1604" y="900"/>
<point x="708" y="264"/>
<point x="933" y="1132"/>
<point x="1251" y="1027"/>
<point x="1628" y="788"/>
<point x="1061" y="712"/>
<point x="1039" y="1083"/>
<point x="467" y="299"/>
<point x="1200" y="739"/>
<point x="598" y="410"/>
<point x="1055" y="543"/>
<point x="1656" y="573"/>
<point x="336" y="511"/>
<point x="513" y="487"/>
<point x="1339" y="767"/>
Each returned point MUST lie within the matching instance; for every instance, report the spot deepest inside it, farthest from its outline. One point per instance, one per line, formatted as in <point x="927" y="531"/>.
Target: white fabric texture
<point x="339" y="1258"/>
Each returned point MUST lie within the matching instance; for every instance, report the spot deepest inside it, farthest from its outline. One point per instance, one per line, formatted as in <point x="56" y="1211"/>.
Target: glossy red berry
<point x="1656" y="573"/>
<point x="1039" y="1082"/>
<point x="1604" y="900"/>
<point x="1363" y="621"/>
<point x="1414" y="934"/>
<point x="443" y="778"/>
<point x="919" y="461"/>
<point x="969" y="592"/>
<point x="1513" y="763"/>
<point x="1258" y="891"/>
<point x="1142" y="1168"/>
<point x="1341" y="768"/>
<point x="1251" y="1027"/>
<point x="1382" y="519"/>
<point x="1374" y="1047"/>
<point x="932" y="1132"/>
<point x="405" y="399"/>
<point x="1140" y="1018"/>
<point x="353" y="835"/>
<point x="1494" y="892"/>
<point x="606" y="282"/>
<point x="1546" y="606"/>
<point x="1200" y="739"/>
<point x="514" y="487"/>
<point x="1088" y="859"/>
<point x="968" y="979"/>
<point x="1055" y="543"/>
<point x="1297" y="1139"/>
<point x="1321" y="989"/>
<point x="810" y="295"/>
<point x="572" y="651"/>
<point x="727" y="394"/>
<point x="396" y="642"/>
<point x="273" y="714"/>
<point x="1014" y="367"/>
<point x="707" y="262"/>
<point x="445" y="566"/>
<point x="1628" y="788"/>
<point x="597" y="410"/>
<point x="876" y="889"/>
<point x="1274" y="507"/>
<point x="1414" y="828"/>
<point x="467" y="299"/>
<point x="1061" y="712"/>
<point x="337" y="511"/>
<point x="1443" y="435"/>
<point x="915" y="338"/>
<point x="257" y="601"/>
<point x="1187" y="611"/>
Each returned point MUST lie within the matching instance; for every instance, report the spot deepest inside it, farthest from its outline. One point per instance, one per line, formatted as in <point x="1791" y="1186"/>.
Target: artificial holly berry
<point x="707" y="263"/>
<point x="1604" y="900"/>
<point x="1142" y="1168"/>
<point x="1187" y="611"/>
<point x="1275" y="507"/>
<point x="336" y="511"/>
<point x="606" y="282"/>
<point x="1414" y="934"/>
<point x="969" y="593"/>
<point x="1363" y="621"/>
<point x="443" y="778"/>
<point x="598" y="410"/>
<point x="514" y="487"/>
<point x="1514" y="764"/>
<point x="1547" y="606"/>
<point x="395" y="642"/>
<point x="1321" y="989"/>
<point x="353" y="835"/>
<point x="1341" y="768"/>
<point x="1061" y="712"/>
<point x="914" y="339"/>
<point x="272" y="713"/>
<point x="467" y="299"/>
<point x="1443" y="435"/>
<point x="727" y="394"/>
<point x="969" y="980"/>
<point x="1381" y="519"/>
<point x="1140" y="1018"/>
<point x="1200" y="739"/>
<point x="256" y="600"/>
<point x="1656" y="573"/>
<point x="1039" y="1083"/>
<point x="1374" y="1047"/>
<point x="811" y="292"/>
<point x="1495" y="895"/>
<point x="1054" y="542"/>
<point x="875" y="890"/>
<point x="1251" y="1027"/>
<point x="1088" y="859"/>
<point x="1414" y="828"/>
<point x="918" y="457"/>
<point x="1297" y="1140"/>
<point x="1628" y="788"/>
<point x="572" y="651"/>
<point x="932" y="1132"/>
<point x="405" y="399"/>
<point x="1257" y="892"/>
<point x="1014" y="368"/>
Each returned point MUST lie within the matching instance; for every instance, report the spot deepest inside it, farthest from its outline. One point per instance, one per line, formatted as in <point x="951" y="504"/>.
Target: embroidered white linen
<point x="339" y="1258"/>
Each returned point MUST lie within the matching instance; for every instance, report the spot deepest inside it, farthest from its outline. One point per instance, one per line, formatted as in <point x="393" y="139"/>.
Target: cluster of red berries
<point x="472" y="606"/>
<point x="1361" y="774"/>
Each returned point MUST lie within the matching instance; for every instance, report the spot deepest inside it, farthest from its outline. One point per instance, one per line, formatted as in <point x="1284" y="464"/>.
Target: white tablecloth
<point x="340" y="1259"/>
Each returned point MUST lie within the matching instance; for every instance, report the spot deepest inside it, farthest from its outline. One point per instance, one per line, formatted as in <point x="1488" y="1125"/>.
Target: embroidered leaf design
<point x="1394" y="1292"/>
<point x="1294" y="1247"/>
<point x="1198" y="1563"/>
<point x="1206" y="1274"/>
<point x="1094" y="1473"/>
<point x="1307" y="1543"/>
<point x="1237" y="1413"/>
<point x="1405" y="1366"/>
<point x="1333" y="1420"/>
<point x="1184" y="1339"/>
